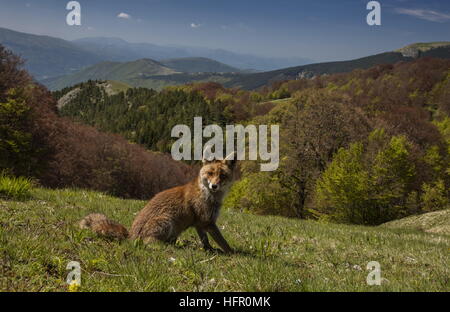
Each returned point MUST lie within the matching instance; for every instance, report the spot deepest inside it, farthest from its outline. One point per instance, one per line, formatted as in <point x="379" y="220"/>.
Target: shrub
<point x="260" y="193"/>
<point x="13" y="188"/>
<point x="15" y="136"/>
<point x="83" y="157"/>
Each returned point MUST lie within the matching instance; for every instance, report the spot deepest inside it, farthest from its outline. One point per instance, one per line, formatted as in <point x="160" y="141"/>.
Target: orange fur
<point x="169" y="213"/>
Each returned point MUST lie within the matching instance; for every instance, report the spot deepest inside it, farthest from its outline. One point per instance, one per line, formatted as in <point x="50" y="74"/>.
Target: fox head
<point x="217" y="175"/>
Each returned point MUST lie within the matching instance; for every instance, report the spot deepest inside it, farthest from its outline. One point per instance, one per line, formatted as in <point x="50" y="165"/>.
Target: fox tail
<point x="101" y="225"/>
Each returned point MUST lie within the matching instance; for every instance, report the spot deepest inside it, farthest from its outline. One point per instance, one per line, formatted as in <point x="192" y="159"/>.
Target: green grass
<point x="14" y="188"/>
<point x="39" y="237"/>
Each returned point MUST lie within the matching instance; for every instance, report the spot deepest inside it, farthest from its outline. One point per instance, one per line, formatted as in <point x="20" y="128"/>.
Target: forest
<point x="37" y="143"/>
<point x="364" y="147"/>
<point x="361" y="148"/>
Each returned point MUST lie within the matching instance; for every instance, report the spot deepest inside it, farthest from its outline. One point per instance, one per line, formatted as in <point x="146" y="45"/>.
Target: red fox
<point x="171" y="212"/>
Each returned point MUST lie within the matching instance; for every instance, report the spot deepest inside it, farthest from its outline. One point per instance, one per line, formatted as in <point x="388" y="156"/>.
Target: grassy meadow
<point x="39" y="237"/>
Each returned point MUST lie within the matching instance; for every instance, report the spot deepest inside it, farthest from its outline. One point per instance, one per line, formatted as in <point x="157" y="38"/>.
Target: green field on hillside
<point x="38" y="238"/>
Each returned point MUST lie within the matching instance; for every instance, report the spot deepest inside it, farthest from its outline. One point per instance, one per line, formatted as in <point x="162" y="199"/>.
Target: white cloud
<point x="124" y="15"/>
<point x="428" y="15"/>
<point x="194" y="25"/>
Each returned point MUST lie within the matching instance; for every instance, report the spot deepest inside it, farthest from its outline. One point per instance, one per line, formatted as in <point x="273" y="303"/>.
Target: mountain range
<point x="49" y="57"/>
<point x="406" y="54"/>
<point x="148" y="73"/>
<point x="156" y="75"/>
<point x="59" y="63"/>
<point x="116" y="49"/>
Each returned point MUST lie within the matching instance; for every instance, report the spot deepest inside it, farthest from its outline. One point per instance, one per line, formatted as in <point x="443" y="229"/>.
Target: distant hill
<point x="47" y="56"/>
<point x="119" y="50"/>
<point x="256" y="80"/>
<point x="129" y="73"/>
<point x="116" y="49"/>
<point x="198" y="64"/>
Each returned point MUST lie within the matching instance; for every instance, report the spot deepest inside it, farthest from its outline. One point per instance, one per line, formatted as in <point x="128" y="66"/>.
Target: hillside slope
<point x="38" y="238"/>
<point x="432" y="222"/>
<point x="254" y="81"/>
<point x="111" y="87"/>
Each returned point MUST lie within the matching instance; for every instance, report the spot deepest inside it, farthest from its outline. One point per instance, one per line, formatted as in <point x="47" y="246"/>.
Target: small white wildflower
<point x="410" y="260"/>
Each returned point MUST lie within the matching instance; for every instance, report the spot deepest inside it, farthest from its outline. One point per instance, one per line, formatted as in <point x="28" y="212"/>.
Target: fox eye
<point x="209" y="173"/>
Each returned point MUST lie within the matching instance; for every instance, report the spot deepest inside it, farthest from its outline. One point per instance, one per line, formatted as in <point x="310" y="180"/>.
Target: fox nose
<point x="214" y="186"/>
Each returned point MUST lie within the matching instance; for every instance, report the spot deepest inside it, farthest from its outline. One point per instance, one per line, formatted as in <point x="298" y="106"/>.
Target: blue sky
<point x="321" y="29"/>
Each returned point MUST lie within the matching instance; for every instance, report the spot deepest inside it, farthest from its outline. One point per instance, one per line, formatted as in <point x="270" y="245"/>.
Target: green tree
<point x="434" y="196"/>
<point x="15" y="138"/>
<point x="260" y="193"/>
<point x="313" y="127"/>
<point x="367" y="183"/>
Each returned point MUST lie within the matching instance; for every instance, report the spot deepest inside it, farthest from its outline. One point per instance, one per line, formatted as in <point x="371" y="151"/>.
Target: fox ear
<point x="205" y="160"/>
<point x="207" y="155"/>
<point x="230" y="160"/>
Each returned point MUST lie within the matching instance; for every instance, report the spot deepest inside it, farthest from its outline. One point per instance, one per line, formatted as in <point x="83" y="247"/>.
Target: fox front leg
<point x="204" y="239"/>
<point x="217" y="236"/>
